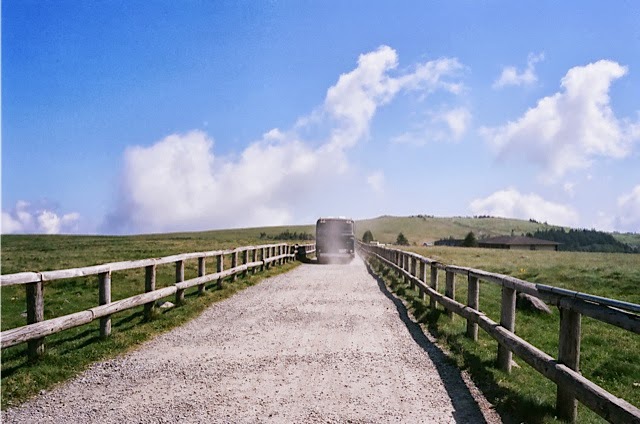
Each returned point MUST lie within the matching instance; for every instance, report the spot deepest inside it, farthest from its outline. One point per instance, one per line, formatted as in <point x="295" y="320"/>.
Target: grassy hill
<point x="632" y="239"/>
<point x="422" y="228"/>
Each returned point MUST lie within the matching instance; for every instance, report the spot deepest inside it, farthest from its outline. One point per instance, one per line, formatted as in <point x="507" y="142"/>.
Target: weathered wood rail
<point x="563" y="371"/>
<point x="242" y="259"/>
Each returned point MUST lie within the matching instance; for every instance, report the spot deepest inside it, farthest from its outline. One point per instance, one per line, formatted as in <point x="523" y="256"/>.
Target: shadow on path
<point x="466" y="409"/>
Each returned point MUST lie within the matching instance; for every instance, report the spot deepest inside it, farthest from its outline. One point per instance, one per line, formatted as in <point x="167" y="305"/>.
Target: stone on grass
<point x="530" y="303"/>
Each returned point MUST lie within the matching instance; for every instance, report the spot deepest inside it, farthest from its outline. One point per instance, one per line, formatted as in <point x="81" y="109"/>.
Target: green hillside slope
<point x="421" y="228"/>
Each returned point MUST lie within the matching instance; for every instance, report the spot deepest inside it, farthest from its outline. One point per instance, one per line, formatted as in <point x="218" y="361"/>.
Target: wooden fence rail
<point x="37" y="328"/>
<point x="571" y="385"/>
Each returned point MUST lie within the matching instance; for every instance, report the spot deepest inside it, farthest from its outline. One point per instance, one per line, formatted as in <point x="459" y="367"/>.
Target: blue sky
<point x="137" y="117"/>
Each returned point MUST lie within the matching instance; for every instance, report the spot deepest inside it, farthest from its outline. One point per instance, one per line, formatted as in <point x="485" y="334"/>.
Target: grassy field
<point x="609" y="356"/>
<point x="71" y="351"/>
<point x="420" y="229"/>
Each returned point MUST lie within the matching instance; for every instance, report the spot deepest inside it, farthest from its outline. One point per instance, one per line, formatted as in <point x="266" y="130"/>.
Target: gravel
<point x="322" y="343"/>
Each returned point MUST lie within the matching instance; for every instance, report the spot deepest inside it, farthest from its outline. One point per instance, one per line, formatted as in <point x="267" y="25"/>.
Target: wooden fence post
<point x="35" y="313"/>
<point x="179" y="279"/>
<point x="245" y="260"/>
<point x="405" y="266"/>
<point x="149" y="286"/>
<point x="450" y="289"/>
<point x="254" y="258"/>
<point x="473" y="301"/>
<point x="423" y="278"/>
<point x="263" y="256"/>
<point x="220" y="268"/>
<point x="413" y="263"/>
<point x="568" y="354"/>
<point x="508" y="321"/>
<point x="234" y="263"/>
<point x="202" y="270"/>
<point x="268" y="252"/>
<point x="433" y="284"/>
<point x="104" y="295"/>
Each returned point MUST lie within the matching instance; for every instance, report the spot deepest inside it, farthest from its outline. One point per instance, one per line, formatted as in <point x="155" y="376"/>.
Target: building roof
<point x="517" y="240"/>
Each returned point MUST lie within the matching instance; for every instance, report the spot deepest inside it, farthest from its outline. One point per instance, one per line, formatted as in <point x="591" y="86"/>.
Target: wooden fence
<point x="242" y="259"/>
<point x="571" y="385"/>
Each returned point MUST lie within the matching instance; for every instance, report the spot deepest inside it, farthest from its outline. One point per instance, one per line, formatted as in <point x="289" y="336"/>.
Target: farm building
<point x="519" y="243"/>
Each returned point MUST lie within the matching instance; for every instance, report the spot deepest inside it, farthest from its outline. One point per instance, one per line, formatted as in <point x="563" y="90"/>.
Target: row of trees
<point x="470" y="240"/>
<point x="583" y="240"/>
<point x="401" y="240"/>
<point x="288" y="235"/>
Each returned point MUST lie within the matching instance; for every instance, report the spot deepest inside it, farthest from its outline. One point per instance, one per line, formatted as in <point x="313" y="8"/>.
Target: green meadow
<point x="71" y="351"/>
<point x="610" y="356"/>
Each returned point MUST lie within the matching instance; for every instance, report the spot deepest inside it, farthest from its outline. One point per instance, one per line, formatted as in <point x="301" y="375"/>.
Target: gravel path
<point x="318" y="344"/>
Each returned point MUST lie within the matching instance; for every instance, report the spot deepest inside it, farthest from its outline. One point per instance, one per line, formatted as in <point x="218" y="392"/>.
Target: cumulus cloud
<point x="447" y="125"/>
<point x="628" y="218"/>
<point x="357" y="94"/>
<point x="511" y="76"/>
<point x="457" y="120"/>
<point x="179" y="183"/>
<point x="31" y="219"/>
<point x="376" y="181"/>
<point x="570" y="129"/>
<point x="510" y="203"/>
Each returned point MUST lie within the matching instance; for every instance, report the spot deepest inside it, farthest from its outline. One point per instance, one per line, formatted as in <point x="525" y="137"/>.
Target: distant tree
<point x="402" y="240"/>
<point x="470" y="240"/>
<point x="583" y="240"/>
<point x="288" y="235"/>
<point x="367" y="237"/>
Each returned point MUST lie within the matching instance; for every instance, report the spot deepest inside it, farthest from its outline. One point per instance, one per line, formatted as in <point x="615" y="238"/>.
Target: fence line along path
<point x="241" y="260"/>
<point x="321" y="343"/>
<point x="571" y="385"/>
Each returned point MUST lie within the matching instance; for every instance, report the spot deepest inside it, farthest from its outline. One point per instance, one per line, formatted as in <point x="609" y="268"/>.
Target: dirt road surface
<point x="322" y="343"/>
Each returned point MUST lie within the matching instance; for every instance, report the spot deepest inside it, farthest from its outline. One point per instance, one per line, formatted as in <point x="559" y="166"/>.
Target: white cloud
<point x="448" y="125"/>
<point x="569" y="188"/>
<point x="31" y="219"/>
<point x="510" y="75"/>
<point x="604" y="222"/>
<point x="510" y="203"/>
<point x="178" y="183"/>
<point x="376" y="181"/>
<point x="457" y="120"/>
<point x="568" y="130"/>
<point x="357" y="94"/>
<point x="628" y="218"/>
<point x="10" y="224"/>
